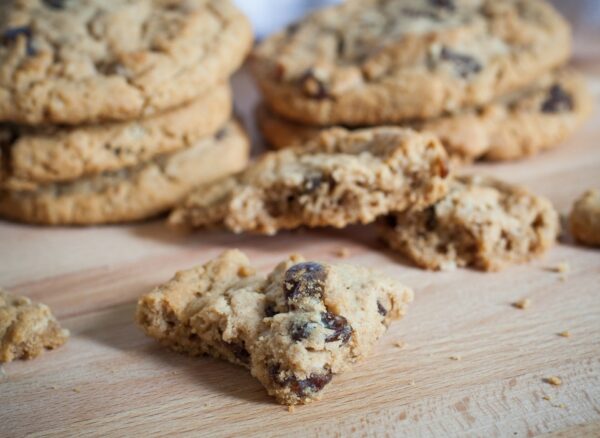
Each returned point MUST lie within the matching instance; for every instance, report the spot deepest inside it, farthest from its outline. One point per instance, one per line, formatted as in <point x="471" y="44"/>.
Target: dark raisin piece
<point x="382" y="310"/>
<point x="240" y="352"/>
<point x="558" y="100"/>
<point x="292" y="28"/>
<point x="221" y="133"/>
<point x="430" y="218"/>
<point x="11" y="35"/>
<point x="270" y="310"/>
<point x="391" y="221"/>
<point x="443" y="4"/>
<point x="55" y="4"/>
<point x="300" y="330"/>
<point x="313" y="86"/>
<point x="304" y="280"/>
<point x="314" y="383"/>
<point x="312" y="183"/>
<point x="465" y="65"/>
<point x="341" y="329"/>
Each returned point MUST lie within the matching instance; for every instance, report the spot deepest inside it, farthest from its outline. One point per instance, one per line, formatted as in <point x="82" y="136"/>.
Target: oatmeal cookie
<point x="340" y="178"/>
<point x="385" y="61"/>
<point x="40" y="156"/>
<point x="523" y="124"/>
<point x="585" y="218"/>
<point x="481" y="222"/>
<point x="295" y="329"/>
<point x="133" y="193"/>
<point x="27" y="328"/>
<point x="73" y="62"/>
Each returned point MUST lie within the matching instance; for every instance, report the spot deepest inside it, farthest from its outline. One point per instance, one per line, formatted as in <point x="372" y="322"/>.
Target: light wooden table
<point x="111" y="380"/>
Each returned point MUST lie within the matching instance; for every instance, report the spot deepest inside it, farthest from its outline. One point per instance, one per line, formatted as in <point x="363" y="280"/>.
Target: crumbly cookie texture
<point x="37" y="157"/>
<point x="295" y="329"/>
<point x="133" y="193"/>
<point x="72" y="62"/>
<point x="519" y="125"/>
<point x="585" y="218"/>
<point x="385" y="61"/>
<point x="338" y="179"/>
<point x="481" y="222"/>
<point x="27" y="328"/>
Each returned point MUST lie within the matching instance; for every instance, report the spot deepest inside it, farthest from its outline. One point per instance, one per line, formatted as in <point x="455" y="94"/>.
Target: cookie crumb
<point x="342" y="252"/>
<point x="291" y="409"/>
<point x="522" y="304"/>
<point x="553" y="380"/>
<point x="562" y="268"/>
<point x="400" y="344"/>
<point x="565" y="334"/>
<point x="455" y="357"/>
<point x="77" y="390"/>
<point x="246" y="271"/>
<point x="547" y="397"/>
<point x="295" y="258"/>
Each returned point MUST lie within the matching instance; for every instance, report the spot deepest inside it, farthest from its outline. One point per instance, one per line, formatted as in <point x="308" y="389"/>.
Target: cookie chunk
<point x="49" y="155"/>
<point x="338" y="179"/>
<point x="519" y="125"/>
<point x="481" y="222"/>
<point x="133" y="193"/>
<point x="27" y="328"/>
<point x="73" y="62"/>
<point x="585" y="218"/>
<point x="295" y="329"/>
<point x="385" y="61"/>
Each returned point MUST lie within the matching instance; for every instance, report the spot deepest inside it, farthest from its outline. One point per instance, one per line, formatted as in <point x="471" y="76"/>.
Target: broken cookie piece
<point x="27" y="328"/>
<point x="585" y="218"/>
<point x="294" y="329"/>
<point x="340" y="178"/>
<point x="481" y="222"/>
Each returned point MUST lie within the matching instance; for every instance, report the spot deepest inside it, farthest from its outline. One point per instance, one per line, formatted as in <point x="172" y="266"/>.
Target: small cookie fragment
<point x="585" y="218"/>
<point x="482" y="222"/>
<point x="338" y="179"/>
<point x="565" y="334"/>
<point x="294" y="329"/>
<point x="522" y="304"/>
<point x="553" y="380"/>
<point x="27" y="328"/>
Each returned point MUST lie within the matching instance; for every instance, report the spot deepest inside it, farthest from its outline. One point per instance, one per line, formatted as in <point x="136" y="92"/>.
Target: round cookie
<point x="385" y="61"/>
<point x="585" y="218"/>
<point x="41" y="156"/>
<point x="481" y="222"/>
<point x="134" y="193"/>
<point x="522" y="124"/>
<point x="73" y="62"/>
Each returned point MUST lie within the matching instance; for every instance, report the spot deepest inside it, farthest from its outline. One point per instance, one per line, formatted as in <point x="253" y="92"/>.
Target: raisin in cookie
<point x="338" y="179"/>
<point x="585" y="218"/>
<point x="27" y="328"/>
<point x="385" y="61"/>
<point x="481" y="222"/>
<point x="133" y="193"/>
<point x="72" y="62"/>
<point x="522" y="124"/>
<point x="41" y="156"/>
<point x="295" y="329"/>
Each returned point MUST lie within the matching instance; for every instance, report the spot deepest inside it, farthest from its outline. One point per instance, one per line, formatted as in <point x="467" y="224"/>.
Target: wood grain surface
<point x="110" y="380"/>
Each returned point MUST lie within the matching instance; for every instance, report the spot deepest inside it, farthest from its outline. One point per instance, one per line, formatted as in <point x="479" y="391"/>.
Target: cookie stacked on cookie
<point x="486" y="76"/>
<point x="113" y="111"/>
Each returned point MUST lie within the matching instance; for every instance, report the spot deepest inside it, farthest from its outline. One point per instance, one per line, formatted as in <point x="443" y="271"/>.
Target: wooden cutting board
<point x="110" y="380"/>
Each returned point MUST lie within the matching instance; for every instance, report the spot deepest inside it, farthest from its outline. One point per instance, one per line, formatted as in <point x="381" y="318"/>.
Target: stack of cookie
<point x="486" y="76"/>
<point x="113" y="111"/>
